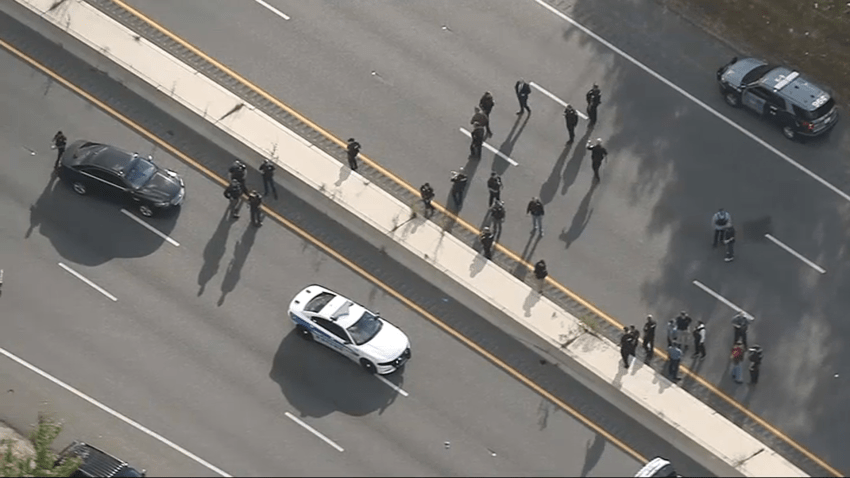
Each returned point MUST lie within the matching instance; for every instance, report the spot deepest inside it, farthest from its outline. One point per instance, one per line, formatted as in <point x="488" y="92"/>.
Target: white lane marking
<point x="273" y="9"/>
<point x="112" y="412"/>
<point x="721" y="298"/>
<point x="492" y="149"/>
<point x="796" y="254"/>
<point x="314" y="431"/>
<point x="90" y="283"/>
<point x="392" y="386"/>
<point x="150" y="228"/>
<point x="695" y="100"/>
<point x="555" y="98"/>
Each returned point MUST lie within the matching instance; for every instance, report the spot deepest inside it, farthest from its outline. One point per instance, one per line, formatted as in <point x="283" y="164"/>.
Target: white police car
<point x="349" y="328"/>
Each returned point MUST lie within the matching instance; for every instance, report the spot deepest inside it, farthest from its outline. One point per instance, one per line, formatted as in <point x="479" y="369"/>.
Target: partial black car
<point x="800" y="108"/>
<point x="96" y="462"/>
<point x="121" y="176"/>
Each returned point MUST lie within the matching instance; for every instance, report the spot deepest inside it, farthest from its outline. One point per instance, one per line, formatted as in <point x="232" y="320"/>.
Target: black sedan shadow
<point x="91" y="230"/>
<point x="318" y="381"/>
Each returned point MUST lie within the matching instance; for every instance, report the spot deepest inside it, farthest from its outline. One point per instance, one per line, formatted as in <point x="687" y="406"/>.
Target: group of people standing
<point x="680" y="336"/>
<point x="237" y="190"/>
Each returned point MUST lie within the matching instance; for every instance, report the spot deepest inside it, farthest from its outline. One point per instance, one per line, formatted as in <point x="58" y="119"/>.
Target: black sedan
<point x="122" y="176"/>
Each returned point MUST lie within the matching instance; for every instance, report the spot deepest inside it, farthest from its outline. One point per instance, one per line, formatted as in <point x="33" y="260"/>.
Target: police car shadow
<point x="91" y="230"/>
<point x="317" y="381"/>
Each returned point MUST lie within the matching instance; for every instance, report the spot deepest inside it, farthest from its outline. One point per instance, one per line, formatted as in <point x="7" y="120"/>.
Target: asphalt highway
<point x="402" y="78"/>
<point x="196" y="345"/>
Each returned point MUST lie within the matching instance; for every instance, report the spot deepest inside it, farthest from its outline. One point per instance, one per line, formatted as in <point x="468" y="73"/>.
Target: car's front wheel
<point x="368" y="366"/>
<point x="732" y="98"/>
<point x="788" y="132"/>
<point x="304" y="333"/>
<point x="145" y="210"/>
<point x="79" y="188"/>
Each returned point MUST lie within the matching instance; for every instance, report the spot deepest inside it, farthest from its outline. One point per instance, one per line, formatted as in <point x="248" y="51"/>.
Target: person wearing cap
<point x="459" y="180"/>
<point x="353" y="149"/>
<point x="482" y="119"/>
<point x="571" y="118"/>
<point x="683" y="324"/>
<point x="594" y="99"/>
<point x="494" y="186"/>
<point x="522" y="89"/>
<point x="597" y="154"/>
<point x="497" y="217"/>
<point x="486" y="237"/>
<point x="649" y="335"/>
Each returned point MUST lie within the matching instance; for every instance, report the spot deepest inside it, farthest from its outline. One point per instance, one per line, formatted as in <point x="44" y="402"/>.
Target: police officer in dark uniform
<point x="487" y="238"/>
<point x="649" y="336"/>
<point x="237" y="172"/>
<point x="597" y="154"/>
<point x="353" y="150"/>
<point x="486" y="103"/>
<point x="594" y="99"/>
<point x="497" y="217"/>
<point x="571" y="118"/>
<point x="427" y="193"/>
<point x="478" y="133"/>
<point x="59" y="143"/>
<point x="233" y="192"/>
<point x="255" y="201"/>
<point x="522" y="89"/>
<point x="267" y="168"/>
<point x="481" y="118"/>
<point x="756" y="355"/>
<point x="459" y="180"/>
<point x="494" y="185"/>
<point x="540" y="271"/>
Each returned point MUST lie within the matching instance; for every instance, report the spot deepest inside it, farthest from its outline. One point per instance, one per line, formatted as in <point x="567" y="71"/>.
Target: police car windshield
<point x="139" y="172"/>
<point x="366" y="327"/>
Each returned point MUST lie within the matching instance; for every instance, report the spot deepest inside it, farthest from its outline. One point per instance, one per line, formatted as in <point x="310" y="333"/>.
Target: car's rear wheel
<point x="789" y="132"/>
<point x="145" y="210"/>
<point x="79" y="188"/>
<point x="304" y="333"/>
<point x="732" y="99"/>
<point x="368" y="366"/>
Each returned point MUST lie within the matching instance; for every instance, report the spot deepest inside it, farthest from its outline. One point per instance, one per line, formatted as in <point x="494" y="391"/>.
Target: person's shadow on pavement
<point x="36" y="210"/>
<point x="240" y="255"/>
<point x="593" y="452"/>
<point x="214" y="251"/>
<point x="581" y="218"/>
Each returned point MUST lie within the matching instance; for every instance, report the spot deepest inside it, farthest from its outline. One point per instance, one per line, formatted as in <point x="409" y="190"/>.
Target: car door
<point x="755" y="98"/>
<point x="334" y="337"/>
<point x="108" y="183"/>
<point x="775" y="109"/>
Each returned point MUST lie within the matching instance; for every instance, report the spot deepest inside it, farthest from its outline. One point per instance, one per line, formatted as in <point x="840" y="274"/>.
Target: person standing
<point x="674" y="354"/>
<point x="486" y="103"/>
<point x="522" y="89"/>
<point x="494" y="185"/>
<point x="625" y="346"/>
<point x="594" y="99"/>
<point x="427" y="193"/>
<point x="459" y="180"/>
<point x="477" y="141"/>
<point x="59" y="143"/>
<point x="353" y="150"/>
<point x="719" y="221"/>
<point x="737" y="358"/>
<point x="597" y="154"/>
<point x="671" y="332"/>
<point x="233" y="192"/>
<point x="267" y="168"/>
<point x="483" y="119"/>
<point x="540" y="271"/>
<point x="497" y="217"/>
<point x="740" y="324"/>
<point x="634" y="340"/>
<point x="756" y="355"/>
<point x="486" y="237"/>
<point x="237" y="172"/>
<point x="683" y="323"/>
<point x="649" y="336"/>
<point x="729" y="240"/>
<point x="254" y="202"/>
<point x="571" y="117"/>
<point x="535" y="208"/>
<point x="699" y="340"/>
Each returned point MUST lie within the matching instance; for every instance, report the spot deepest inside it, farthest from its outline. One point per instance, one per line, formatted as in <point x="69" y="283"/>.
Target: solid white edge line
<point x="112" y="412"/>
<point x="719" y="297"/>
<point x="90" y="283"/>
<point x="694" y="99"/>
<point x="313" y="431"/>
<point x="491" y="149"/>
<point x="796" y="254"/>
<point x="273" y="9"/>
<point x="392" y="386"/>
<point x="555" y="98"/>
<point x="150" y="228"/>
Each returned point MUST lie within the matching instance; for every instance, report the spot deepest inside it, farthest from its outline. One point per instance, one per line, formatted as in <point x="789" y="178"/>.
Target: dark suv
<point x="800" y="108"/>
<point x="97" y="463"/>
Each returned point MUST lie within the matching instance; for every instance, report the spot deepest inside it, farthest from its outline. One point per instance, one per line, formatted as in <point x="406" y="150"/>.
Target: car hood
<point x="735" y="72"/>
<point x="387" y="345"/>
<point x="161" y="187"/>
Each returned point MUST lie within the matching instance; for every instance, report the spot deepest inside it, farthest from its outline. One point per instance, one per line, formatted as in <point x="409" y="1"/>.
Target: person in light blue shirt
<point x="675" y="355"/>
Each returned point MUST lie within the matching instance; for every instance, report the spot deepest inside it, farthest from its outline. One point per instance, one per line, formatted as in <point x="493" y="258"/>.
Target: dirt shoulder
<point x="21" y="446"/>
<point x="808" y="35"/>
